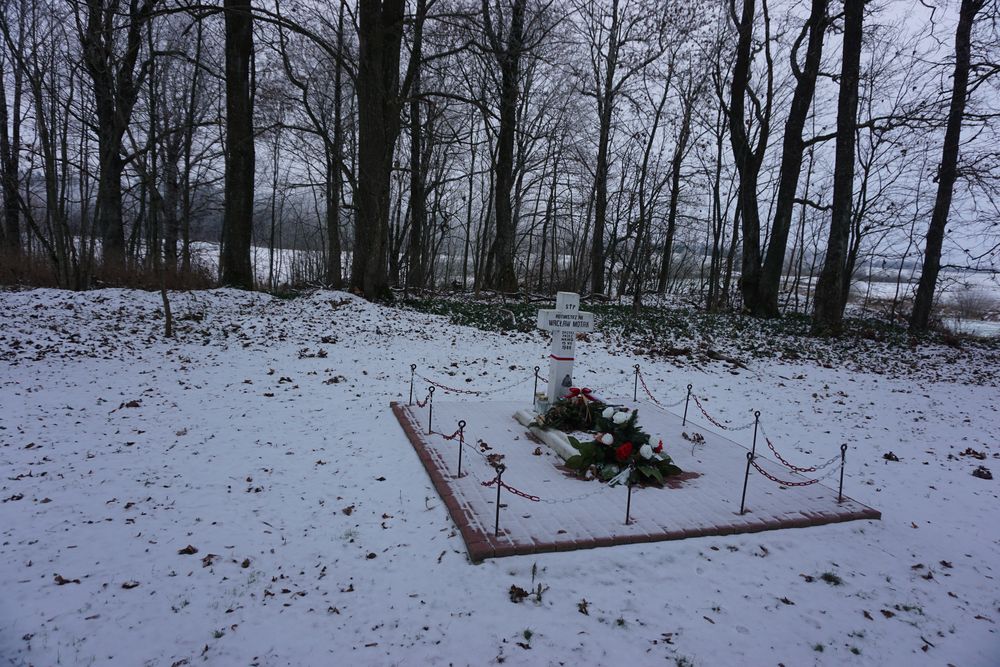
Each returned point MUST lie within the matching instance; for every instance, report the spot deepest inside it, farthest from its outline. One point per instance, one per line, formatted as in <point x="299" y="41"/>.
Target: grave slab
<point x="571" y="513"/>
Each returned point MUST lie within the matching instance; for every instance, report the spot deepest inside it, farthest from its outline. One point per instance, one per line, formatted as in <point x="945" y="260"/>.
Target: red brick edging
<point x="482" y="545"/>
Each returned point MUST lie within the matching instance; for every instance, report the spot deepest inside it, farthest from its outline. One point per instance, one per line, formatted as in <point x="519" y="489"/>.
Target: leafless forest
<point x="758" y="155"/>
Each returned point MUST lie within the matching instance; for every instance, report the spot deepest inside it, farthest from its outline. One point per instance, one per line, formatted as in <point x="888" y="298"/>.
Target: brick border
<point x="482" y="545"/>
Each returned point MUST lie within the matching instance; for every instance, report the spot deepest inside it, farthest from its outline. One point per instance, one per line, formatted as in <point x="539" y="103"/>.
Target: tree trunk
<point x="415" y="275"/>
<point x="503" y="277"/>
<point x="189" y="128"/>
<point x="680" y="148"/>
<point x="380" y="33"/>
<point x="605" y="105"/>
<point x="334" y="179"/>
<point x="9" y="140"/>
<point x="830" y="297"/>
<point x="947" y="174"/>
<point x="747" y="162"/>
<point x="115" y="93"/>
<point x="791" y="159"/>
<point x="237" y="220"/>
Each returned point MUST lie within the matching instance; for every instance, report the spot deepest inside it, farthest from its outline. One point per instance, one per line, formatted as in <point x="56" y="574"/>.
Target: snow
<point x="262" y="434"/>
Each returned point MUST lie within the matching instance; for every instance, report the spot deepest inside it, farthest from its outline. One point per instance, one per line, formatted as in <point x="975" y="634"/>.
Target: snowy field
<point x="262" y="438"/>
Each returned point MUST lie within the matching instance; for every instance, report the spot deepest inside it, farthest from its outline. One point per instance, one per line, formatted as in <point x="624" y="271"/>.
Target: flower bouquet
<point x="619" y="452"/>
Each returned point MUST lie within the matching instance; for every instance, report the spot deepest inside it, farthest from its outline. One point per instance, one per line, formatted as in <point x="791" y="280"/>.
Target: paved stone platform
<point x="575" y="514"/>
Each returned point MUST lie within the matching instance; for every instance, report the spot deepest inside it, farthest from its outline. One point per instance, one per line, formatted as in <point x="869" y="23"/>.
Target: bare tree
<point x="237" y="222"/>
<point x="380" y="34"/>
<point x="766" y="301"/>
<point x="749" y="157"/>
<point x="947" y="172"/>
<point x="831" y="296"/>
<point x="116" y="84"/>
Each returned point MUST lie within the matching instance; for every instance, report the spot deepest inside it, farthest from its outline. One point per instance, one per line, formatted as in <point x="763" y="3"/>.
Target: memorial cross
<point x="565" y="322"/>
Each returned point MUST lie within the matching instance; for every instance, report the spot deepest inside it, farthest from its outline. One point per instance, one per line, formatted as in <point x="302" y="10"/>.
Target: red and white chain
<point x="510" y="488"/>
<point x="794" y="468"/>
<point x="716" y="421"/>
<point x="645" y="388"/>
<point x="472" y="392"/>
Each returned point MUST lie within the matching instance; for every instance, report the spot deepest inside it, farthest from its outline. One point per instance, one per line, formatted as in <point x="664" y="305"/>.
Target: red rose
<point x="658" y="448"/>
<point x="587" y="390"/>
<point x="622" y="453"/>
<point x="573" y="391"/>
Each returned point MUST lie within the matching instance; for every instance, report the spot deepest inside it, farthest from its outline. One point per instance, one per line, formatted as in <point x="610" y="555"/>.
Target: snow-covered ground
<point x="261" y="436"/>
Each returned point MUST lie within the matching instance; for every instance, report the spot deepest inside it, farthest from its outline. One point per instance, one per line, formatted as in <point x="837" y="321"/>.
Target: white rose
<point x="620" y="417"/>
<point x="608" y="413"/>
<point x="646" y="452"/>
<point x="607" y="439"/>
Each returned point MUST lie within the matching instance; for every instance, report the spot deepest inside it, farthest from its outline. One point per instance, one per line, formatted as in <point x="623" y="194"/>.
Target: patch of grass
<point x="685" y="333"/>
<point x="855" y="650"/>
<point x="831" y="578"/>
<point x="818" y="648"/>
<point x="527" y="634"/>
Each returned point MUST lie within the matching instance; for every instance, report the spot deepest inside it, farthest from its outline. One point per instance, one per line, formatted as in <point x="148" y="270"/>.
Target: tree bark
<point x="508" y="55"/>
<point x="791" y="159"/>
<point x="380" y="33"/>
<point x="747" y="158"/>
<point x="237" y="221"/>
<point x="830" y="297"/>
<point x="605" y="106"/>
<point x="9" y="162"/>
<point x="415" y="275"/>
<point x="948" y="172"/>
<point x="116" y="88"/>
<point x="680" y="149"/>
<point x="334" y="179"/>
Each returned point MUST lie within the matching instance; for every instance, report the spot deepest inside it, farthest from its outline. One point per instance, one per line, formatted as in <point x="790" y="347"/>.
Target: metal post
<point x="686" y="401"/>
<point x="496" y="525"/>
<point x="746" y="477"/>
<point x="461" y="444"/>
<point x="843" y="457"/>
<point x="430" y="408"/>
<point x="413" y="371"/>
<point x="635" y="384"/>
<point x="750" y="457"/>
<point x="628" y="503"/>
<point x="534" y="392"/>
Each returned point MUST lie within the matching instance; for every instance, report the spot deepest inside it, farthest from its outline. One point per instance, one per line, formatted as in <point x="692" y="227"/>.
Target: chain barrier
<point x="452" y="436"/>
<point x="574" y="499"/>
<point x="482" y="455"/>
<point x="716" y="422"/>
<point x="794" y="468"/>
<point x="473" y="392"/>
<point x="665" y="406"/>
<point x="782" y="482"/>
<point x="423" y="403"/>
<point x="603" y="391"/>
<point x="505" y="485"/>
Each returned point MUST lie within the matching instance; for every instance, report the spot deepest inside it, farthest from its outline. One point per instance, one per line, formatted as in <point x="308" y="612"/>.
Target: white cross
<point x="564" y="322"/>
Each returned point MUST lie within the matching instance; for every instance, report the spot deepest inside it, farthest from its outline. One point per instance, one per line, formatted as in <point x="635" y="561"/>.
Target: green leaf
<point x="652" y="472"/>
<point x="575" y="463"/>
<point x="670" y="469"/>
